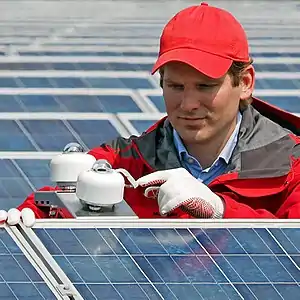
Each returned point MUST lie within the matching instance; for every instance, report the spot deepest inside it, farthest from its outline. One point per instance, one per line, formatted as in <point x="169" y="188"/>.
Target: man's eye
<point x="176" y="86"/>
<point x="205" y="86"/>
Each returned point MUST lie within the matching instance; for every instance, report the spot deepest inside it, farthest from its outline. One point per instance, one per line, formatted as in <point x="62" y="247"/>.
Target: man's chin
<point x="195" y="136"/>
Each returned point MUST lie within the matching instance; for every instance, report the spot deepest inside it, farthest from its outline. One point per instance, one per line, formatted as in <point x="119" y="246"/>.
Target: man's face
<point x="199" y="107"/>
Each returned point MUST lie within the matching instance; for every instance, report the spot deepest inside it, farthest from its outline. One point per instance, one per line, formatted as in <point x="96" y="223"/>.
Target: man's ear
<point x="247" y="82"/>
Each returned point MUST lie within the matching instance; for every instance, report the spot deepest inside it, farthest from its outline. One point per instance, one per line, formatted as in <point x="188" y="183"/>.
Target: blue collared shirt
<point x="219" y="165"/>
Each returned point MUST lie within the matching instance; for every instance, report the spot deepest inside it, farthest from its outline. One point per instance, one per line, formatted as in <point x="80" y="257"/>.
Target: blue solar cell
<point x="130" y="67"/>
<point x="8" y="82"/>
<point x="223" y="239"/>
<point x="163" y="262"/>
<point x="62" y="66"/>
<point x="259" y="84"/>
<point x="295" y="67"/>
<point x="250" y="241"/>
<point x="94" y="132"/>
<point x="12" y="138"/>
<point x="18" y="278"/>
<point x="9" y="103"/>
<point x="23" y="66"/>
<point x="101" y="103"/>
<point x="143" y="54"/>
<point x="269" y="264"/>
<point x="217" y="291"/>
<point x="39" y="103"/>
<point x="137" y="83"/>
<point x="276" y="67"/>
<point x="67" y="82"/>
<point x="159" y="102"/>
<point x="49" y="135"/>
<point x="28" y="53"/>
<point x="92" y="66"/>
<point x="36" y="170"/>
<point x="69" y="103"/>
<point x="142" y="125"/>
<point x="86" y="53"/>
<point x="80" y="103"/>
<point x="287" y="239"/>
<point x="281" y="84"/>
<point x="36" y="82"/>
<point x="264" y="291"/>
<point x="287" y="291"/>
<point x="114" y="66"/>
<point x="119" y="83"/>
<point x="275" y="54"/>
<point x="288" y="103"/>
<point x="13" y="187"/>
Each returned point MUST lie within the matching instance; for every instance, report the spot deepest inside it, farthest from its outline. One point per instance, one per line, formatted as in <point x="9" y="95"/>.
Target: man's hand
<point x="14" y="216"/>
<point x="178" y="188"/>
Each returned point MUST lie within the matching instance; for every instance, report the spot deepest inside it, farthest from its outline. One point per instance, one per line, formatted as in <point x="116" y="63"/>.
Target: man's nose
<point x="190" y="101"/>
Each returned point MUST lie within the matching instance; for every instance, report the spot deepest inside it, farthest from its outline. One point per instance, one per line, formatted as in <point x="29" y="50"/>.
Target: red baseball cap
<point x="205" y="37"/>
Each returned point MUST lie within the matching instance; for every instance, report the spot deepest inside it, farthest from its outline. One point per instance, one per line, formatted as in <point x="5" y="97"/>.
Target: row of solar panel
<point x="106" y="103"/>
<point x="53" y="135"/>
<point x="144" y="263"/>
<point x="83" y="82"/>
<point x="123" y="66"/>
<point x="119" y="82"/>
<point x="204" y="264"/>
<point x="132" y="53"/>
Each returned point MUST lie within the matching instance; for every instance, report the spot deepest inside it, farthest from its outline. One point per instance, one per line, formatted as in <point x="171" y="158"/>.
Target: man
<point x="220" y="153"/>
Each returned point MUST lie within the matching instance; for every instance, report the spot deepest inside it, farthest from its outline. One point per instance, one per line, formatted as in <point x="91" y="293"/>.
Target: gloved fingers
<point x="159" y="177"/>
<point x="13" y="216"/>
<point x="28" y="217"/>
<point x="169" y="196"/>
<point x="167" y="205"/>
<point x="151" y="192"/>
<point x="198" y="208"/>
<point x="3" y="216"/>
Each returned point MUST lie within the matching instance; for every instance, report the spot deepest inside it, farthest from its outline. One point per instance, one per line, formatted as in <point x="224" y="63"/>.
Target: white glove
<point x="178" y="188"/>
<point x="14" y="216"/>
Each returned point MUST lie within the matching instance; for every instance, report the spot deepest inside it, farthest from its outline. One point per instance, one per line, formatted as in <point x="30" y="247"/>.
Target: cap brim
<point x="211" y="65"/>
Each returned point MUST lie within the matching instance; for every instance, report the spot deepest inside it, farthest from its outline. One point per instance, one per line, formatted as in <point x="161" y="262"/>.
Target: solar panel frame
<point x="244" y="287"/>
<point x="32" y="258"/>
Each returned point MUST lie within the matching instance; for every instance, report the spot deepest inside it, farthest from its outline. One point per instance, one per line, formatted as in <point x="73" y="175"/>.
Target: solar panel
<point x="88" y="82"/>
<point x="123" y="83"/>
<point x="171" y="263"/>
<point x="36" y="170"/>
<point x="94" y="132"/>
<point x="18" y="277"/>
<point x="137" y="123"/>
<point x="291" y="104"/>
<point x="54" y="134"/>
<point x="275" y="54"/>
<point x="159" y="102"/>
<point x="68" y="103"/>
<point x="276" y="67"/>
<point x="13" y="186"/>
<point x="280" y="83"/>
<point x="12" y="138"/>
<point x="116" y="66"/>
<point x="87" y="53"/>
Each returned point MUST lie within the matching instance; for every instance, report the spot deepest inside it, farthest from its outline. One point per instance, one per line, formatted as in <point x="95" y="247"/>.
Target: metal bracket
<point x="65" y="290"/>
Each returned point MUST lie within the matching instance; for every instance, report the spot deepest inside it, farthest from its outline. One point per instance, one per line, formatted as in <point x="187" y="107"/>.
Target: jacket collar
<point x="263" y="148"/>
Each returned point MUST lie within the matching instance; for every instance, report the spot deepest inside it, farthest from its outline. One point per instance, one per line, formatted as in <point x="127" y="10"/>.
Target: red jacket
<point x="262" y="179"/>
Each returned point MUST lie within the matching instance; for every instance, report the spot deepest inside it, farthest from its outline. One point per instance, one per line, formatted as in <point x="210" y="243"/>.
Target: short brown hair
<point x="235" y="72"/>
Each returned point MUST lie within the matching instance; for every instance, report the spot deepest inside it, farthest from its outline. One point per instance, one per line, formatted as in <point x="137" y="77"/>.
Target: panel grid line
<point x="208" y="254"/>
<point x="137" y="265"/>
